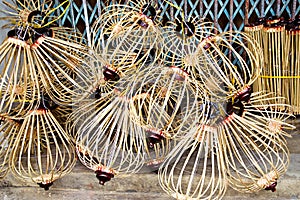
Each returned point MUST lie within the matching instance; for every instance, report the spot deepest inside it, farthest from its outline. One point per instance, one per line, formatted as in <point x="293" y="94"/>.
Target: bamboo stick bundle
<point x="279" y="74"/>
<point x="42" y="151"/>
<point x="54" y="58"/>
<point x="195" y="168"/>
<point x="155" y="96"/>
<point x="260" y="168"/>
<point x="107" y="140"/>
<point x="292" y="52"/>
<point x="274" y="57"/>
<point x="116" y="132"/>
<point x="100" y="81"/>
<point x="27" y="67"/>
<point x="287" y="76"/>
<point x="111" y="70"/>
<point x="104" y="78"/>
<point x="265" y="107"/>
<point x="255" y="31"/>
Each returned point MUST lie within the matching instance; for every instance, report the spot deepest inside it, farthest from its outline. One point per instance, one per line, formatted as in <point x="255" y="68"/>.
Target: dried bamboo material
<point x="176" y="98"/>
<point x="42" y="152"/>
<point x="92" y="67"/>
<point x="218" y="73"/>
<point x="168" y="102"/>
<point x="19" y="85"/>
<point x="105" y="73"/>
<point x="181" y="41"/>
<point x="50" y="48"/>
<point x="279" y="74"/>
<point x="195" y="167"/>
<point x="128" y="29"/>
<point x="61" y="114"/>
<point x="105" y="77"/>
<point x="40" y="13"/>
<point x="122" y="61"/>
<point x="110" y="23"/>
<point x="292" y="62"/>
<point x="103" y="80"/>
<point x="243" y="137"/>
<point x="157" y="152"/>
<point x="275" y="64"/>
<point x="254" y="165"/>
<point x="265" y="108"/>
<point x="255" y="150"/>
<point x="238" y="143"/>
<point x="8" y="131"/>
<point x="108" y="136"/>
<point x="49" y="54"/>
<point x="255" y="31"/>
<point x="30" y="63"/>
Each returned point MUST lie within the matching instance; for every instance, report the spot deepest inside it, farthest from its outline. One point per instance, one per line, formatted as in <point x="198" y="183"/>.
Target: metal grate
<point x="226" y="14"/>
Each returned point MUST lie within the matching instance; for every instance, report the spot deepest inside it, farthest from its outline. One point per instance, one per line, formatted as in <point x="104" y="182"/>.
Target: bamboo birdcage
<point x="226" y="15"/>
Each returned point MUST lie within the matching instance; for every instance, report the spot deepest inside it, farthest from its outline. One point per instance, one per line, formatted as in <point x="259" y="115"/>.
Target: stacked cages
<point x="244" y="125"/>
<point x="227" y="15"/>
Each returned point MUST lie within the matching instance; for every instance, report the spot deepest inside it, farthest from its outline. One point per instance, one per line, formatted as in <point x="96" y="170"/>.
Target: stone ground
<point x="82" y="184"/>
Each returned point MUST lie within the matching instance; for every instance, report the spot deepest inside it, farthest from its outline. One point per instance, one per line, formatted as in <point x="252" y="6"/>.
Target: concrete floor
<point x="82" y="184"/>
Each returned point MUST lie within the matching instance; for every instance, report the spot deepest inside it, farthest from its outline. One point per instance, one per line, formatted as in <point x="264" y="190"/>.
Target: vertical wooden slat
<point x="216" y="15"/>
<point x="231" y="15"/>
<point x="72" y="15"/>
<point x="246" y="20"/>
<point x="99" y="7"/>
<point x="201" y="8"/>
<point x="262" y="9"/>
<point x="185" y="10"/>
<point x="294" y="9"/>
<point x="230" y="25"/>
<point x="86" y="20"/>
<point x="58" y="10"/>
<point x="278" y="8"/>
<point x="171" y="13"/>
